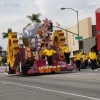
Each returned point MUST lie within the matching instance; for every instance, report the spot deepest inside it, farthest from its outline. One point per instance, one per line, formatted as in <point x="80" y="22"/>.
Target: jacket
<point x="77" y="57"/>
<point x="85" y="57"/>
<point x="65" y="49"/>
<point x="48" y="52"/>
<point x="93" y="55"/>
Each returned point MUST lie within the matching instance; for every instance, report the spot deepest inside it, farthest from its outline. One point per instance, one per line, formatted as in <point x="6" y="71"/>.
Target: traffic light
<point x="80" y="44"/>
<point x="51" y="27"/>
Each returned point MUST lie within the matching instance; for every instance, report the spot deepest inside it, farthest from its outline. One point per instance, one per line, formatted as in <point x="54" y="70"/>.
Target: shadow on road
<point x="35" y="75"/>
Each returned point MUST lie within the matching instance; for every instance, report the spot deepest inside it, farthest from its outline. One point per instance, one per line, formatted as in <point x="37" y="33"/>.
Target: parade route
<point x="83" y="85"/>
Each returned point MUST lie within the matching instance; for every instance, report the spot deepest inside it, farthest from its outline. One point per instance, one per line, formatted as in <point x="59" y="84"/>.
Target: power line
<point x="66" y="30"/>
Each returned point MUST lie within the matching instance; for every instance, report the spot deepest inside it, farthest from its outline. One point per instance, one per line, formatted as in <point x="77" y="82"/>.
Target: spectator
<point x="78" y="60"/>
<point x="93" y="58"/>
<point x="85" y="60"/>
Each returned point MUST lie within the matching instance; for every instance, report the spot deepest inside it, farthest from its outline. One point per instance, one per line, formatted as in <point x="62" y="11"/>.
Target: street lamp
<point x="77" y="19"/>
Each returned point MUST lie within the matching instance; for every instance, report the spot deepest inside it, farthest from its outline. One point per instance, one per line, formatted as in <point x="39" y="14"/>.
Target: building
<point x="87" y="31"/>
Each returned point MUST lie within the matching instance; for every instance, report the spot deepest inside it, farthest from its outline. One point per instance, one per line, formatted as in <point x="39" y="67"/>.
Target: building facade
<point x="85" y="30"/>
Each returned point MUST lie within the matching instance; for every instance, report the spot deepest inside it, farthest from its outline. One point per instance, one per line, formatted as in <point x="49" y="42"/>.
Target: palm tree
<point x="35" y="18"/>
<point x="5" y="34"/>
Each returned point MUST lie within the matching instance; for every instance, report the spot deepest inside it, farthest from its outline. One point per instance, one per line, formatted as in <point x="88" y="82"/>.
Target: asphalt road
<point x="84" y="85"/>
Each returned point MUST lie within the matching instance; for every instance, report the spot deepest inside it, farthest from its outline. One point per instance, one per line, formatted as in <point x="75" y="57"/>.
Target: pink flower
<point x="45" y="31"/>
<point x="48" y="40"/>
<point x="46" y="22"/>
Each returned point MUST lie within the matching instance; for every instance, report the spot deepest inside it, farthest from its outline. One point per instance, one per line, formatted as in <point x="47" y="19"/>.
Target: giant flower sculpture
<point x="46" y="31"/>
<point x="46" y="26"/>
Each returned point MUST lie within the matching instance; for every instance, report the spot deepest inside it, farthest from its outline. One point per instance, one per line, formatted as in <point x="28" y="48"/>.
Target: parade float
<point x="37" y="39"/>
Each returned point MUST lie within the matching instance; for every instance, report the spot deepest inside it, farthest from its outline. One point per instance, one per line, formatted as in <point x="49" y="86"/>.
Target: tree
<point x="5" y="34"/>
<point x="25" y="41"/>
<point x="4" y="60"/>
<point x="1" y="48"/>
<point x="35" y="18"/>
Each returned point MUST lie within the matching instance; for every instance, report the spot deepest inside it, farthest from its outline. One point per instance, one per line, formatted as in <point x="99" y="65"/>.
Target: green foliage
<point x="1" y="48"/>
<point x="25" y="41"/>
<point x="5" y="34"/>
<point x="35" y="18"/>
<point x="4" y="60"/>
<point x="9" y="30"/>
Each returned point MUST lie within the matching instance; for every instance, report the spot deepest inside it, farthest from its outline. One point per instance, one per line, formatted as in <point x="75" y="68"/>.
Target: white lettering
<point x="3" y="4"/>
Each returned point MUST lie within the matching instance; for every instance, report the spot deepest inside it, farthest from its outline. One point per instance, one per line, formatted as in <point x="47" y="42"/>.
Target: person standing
<point x="85" y="60"/>
<point x="93" y="58"/>
<point x="25" y="67"/>
<point x="65" y="50"/>
<point x="42" y="49"/>
<point x="49" y="53"/>
<point x="78" y="60"/>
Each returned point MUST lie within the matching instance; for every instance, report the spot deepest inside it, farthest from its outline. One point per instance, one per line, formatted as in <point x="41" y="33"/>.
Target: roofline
<point x="90" y="37"/>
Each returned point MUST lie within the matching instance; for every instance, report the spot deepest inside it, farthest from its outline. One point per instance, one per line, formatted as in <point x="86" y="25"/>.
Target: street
<point x="83" y="85"/>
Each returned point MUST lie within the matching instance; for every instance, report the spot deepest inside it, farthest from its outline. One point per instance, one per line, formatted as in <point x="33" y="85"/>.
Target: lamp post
<point x="77" y="20"/>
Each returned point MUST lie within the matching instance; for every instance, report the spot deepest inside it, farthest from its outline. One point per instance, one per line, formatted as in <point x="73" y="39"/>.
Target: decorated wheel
<point x="58" y="38"/>
<point x="13" y="48"/>
<point x="58" y="41"/>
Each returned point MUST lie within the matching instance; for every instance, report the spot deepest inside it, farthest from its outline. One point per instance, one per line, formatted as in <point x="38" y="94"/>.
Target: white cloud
<point x="15" y="16"/>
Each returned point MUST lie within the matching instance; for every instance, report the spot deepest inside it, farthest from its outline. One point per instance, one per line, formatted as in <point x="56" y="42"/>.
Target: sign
<point x="78" y="38"/>
<point x="2" y="53"/>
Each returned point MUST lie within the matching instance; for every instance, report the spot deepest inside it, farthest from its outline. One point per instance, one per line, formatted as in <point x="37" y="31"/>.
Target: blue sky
<point x="14" y="16"/>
